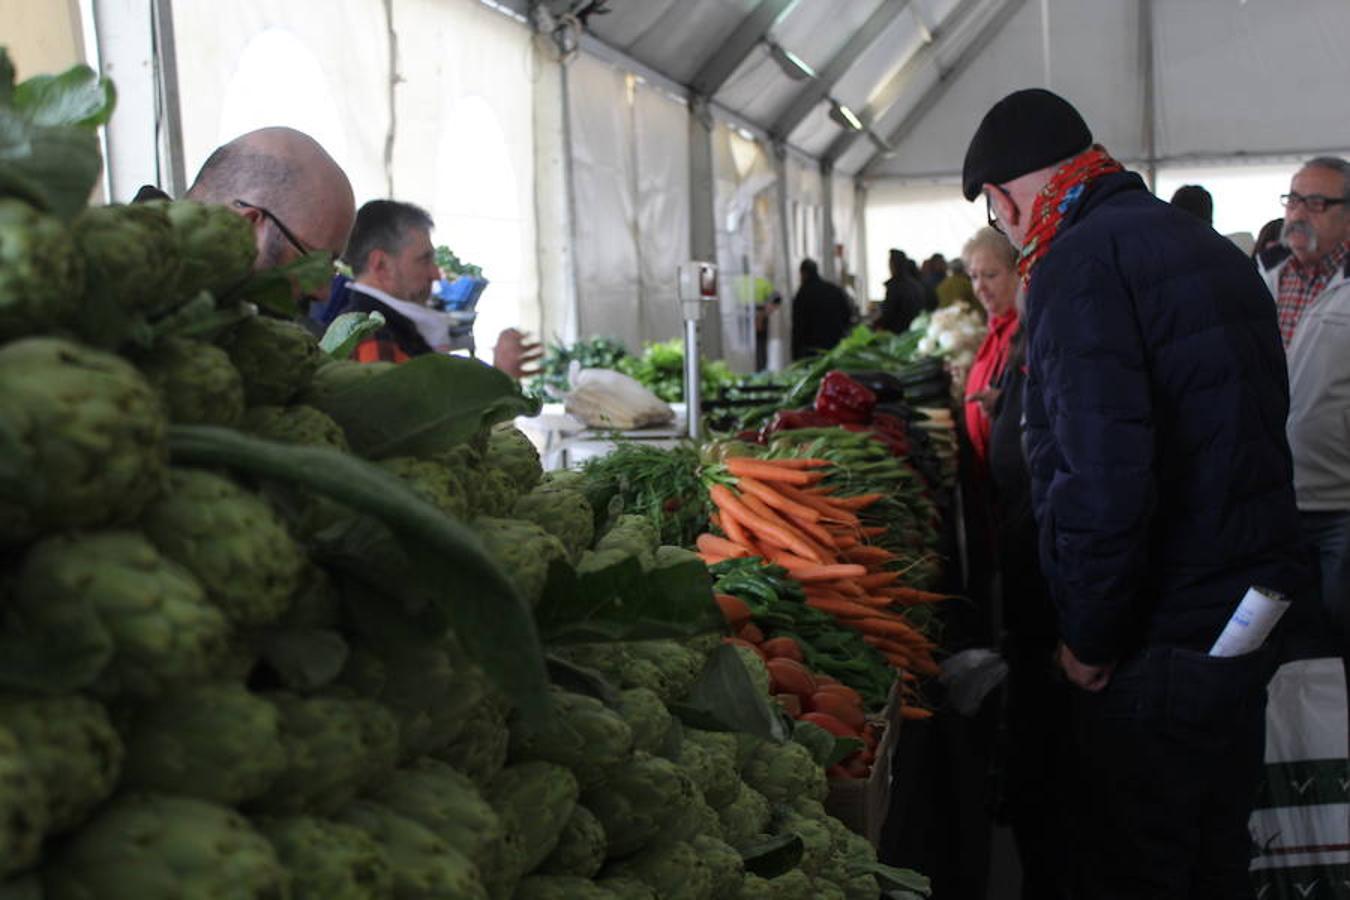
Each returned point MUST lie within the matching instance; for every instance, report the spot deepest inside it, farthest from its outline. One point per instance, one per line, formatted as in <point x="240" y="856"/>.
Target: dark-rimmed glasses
<point x="1314" y="203"/>
<point x="989" y="209"/>
<point x="281" y="226"/>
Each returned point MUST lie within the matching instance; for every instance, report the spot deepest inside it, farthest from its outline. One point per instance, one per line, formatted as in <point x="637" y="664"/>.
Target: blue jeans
<point x="1328" y="537"/>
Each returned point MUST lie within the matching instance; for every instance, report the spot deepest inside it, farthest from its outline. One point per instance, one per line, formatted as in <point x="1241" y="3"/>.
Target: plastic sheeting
<point x="630" y="176"/>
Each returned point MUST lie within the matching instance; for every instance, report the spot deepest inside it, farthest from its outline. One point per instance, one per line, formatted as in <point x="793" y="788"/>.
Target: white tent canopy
<point x="578" y="149"/>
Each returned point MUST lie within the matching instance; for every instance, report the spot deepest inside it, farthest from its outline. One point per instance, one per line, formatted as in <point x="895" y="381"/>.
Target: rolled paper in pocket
<point x="1251" y="622"/>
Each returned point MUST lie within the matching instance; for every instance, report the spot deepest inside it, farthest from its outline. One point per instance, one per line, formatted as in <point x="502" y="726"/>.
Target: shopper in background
<point x="992" y="263"/>
<point x="1267" y="237"/>
<point x="1162" y="485"/>
<point x="933" y="271"/>
<point x="821" y="313"/>
<point x="1196" y="201"/>
<point x="904" y="295"/>
<point x="956" y="287"/>
<point x="1309" y="276"/>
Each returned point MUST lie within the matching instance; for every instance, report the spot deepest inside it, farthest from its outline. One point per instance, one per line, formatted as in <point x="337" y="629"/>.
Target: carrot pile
<point x="778" y="510"/>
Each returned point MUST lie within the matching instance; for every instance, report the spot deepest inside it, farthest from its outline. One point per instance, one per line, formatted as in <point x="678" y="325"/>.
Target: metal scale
<point x="697" y="288"/>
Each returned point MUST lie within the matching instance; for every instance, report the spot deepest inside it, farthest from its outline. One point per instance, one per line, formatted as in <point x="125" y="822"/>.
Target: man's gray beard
<point x="1302" y="228"/>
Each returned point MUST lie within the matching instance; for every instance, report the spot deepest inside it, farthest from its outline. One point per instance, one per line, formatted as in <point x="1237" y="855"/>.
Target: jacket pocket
<point x="1207" y="691"/>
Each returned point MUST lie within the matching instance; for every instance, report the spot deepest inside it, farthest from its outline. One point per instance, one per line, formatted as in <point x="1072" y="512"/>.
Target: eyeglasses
<point x="281" y="226"/>
<point x="989" y="212"/>
<point x="1315" y="203"/>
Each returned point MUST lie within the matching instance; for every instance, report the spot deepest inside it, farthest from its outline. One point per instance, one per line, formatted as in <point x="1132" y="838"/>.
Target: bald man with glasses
<point x="1308" y="273"/>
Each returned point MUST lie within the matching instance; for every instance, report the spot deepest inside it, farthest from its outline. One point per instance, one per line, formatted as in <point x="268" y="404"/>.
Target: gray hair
<point x="1335" y="164"/>
<point x="383" y="225"/>
<point x="993" y="241"/>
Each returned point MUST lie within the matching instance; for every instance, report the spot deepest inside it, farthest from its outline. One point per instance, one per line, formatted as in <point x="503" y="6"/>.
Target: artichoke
<point x="276" y="358"/>
<point x="559" y="887"/>
<point x="88" y="435"/>
<point x="676" y="871"/>
<point x="157" y="847"/>
<point x="424" y="865"/>
<point x="583" y="734"/>
<point x="73" y="748"/>
<point x="639" y="801"/>
<point x="646" y="716"/>
<point x="523" y="551"/>
<point x="131" y="265"/>
<point x="114" y="613"/>
<point x="490" y="489"/>
<point x="481" y="748"/>
<point x="217" y="742"/>
<point x="563" y="513"/>
<point x="725" y="864"/>
<point x="24" y="816"/>
<point x="216" y="247"/>
<point x="329" y="860"/>
<point x="446" y="802"/>
<point x="199" y="384"/>
<point x="297" y="424"/>
<point x="335" y="747"/>
<point x="581" y="847"/>
<point x="511" y="451"/>
<point x="231" y="540"/>
<point x="41" y="274"/>
<point x="431" y="481"/>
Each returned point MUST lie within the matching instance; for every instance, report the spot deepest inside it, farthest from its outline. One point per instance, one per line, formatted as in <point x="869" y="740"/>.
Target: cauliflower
<point x="755" y="668"/>
<point x="646" y="716"/>
<point x="153" y="845"/>
<point x="298" y="424"/>
<point x="446" y="802"/>
<point x="73" y="748"/>
<point x="329" y="860"/>
<point x="559" y="887"/>
<point x="123" y="618"/>
<point x="639" y="801"/>
<point x="197" y="382"/>
<point x="276" y="358"/>
<point x="583" y="734"/>
<point x="24" y="816"/>
<point x="511" y="451"/>
<point x="783" y="772"/>
<point x="723" y="780"/>
<point x="480" y="749"/>
<point x="523" y="551"/>
<point x="424" y="866"/>
<point x="676" y="871"/>
<point x="728" y="871"/>
<point x="745" y="818"/>
<point x="85" y="436"/>
<point x="561" y="512"/>
<point x="335" y="747"/>
<point x="41" y="272"/>
<point x="231" y="540"/>
<point x="581" y="846"/>
<point x="217" y="742"/>
<point x="431" y="481"/>
<point x="534" y="801"/>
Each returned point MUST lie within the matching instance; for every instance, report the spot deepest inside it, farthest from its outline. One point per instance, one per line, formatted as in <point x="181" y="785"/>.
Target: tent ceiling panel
<point x="875" y="65"/>
<point x="1260" y="77"/>
<point x="817" y="131"/>
<point x="675" y="37"/>
<point x="815" y="32"/>
<point x="1089" y="64"/>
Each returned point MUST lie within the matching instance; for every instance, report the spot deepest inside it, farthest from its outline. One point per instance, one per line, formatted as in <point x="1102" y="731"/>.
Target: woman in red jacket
<point x="991" y="262"/>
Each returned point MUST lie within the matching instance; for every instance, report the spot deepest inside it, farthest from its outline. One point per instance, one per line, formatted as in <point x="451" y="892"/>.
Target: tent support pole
<point x="860" y="290"/>
<point x="1146" y="62"/>
<point x="703" y="213"/>
<point x="830" y="263"/>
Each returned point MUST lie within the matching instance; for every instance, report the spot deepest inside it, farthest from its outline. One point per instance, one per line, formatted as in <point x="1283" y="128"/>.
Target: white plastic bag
<point x="603" y="398"/>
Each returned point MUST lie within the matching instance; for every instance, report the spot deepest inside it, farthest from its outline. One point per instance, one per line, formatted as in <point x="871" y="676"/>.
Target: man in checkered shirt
<point x="1309" y="275"/>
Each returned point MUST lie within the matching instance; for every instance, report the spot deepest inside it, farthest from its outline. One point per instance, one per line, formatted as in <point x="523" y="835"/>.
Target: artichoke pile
<point x="197" y="701"/>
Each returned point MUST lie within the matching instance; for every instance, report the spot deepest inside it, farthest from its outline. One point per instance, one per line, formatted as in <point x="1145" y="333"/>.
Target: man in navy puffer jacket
<point x="1162" y="483"/>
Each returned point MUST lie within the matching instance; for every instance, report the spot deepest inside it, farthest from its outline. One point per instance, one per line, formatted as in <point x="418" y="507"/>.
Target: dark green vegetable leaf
<point x="427" y="404"/>
<point x="581" y="680"/>
<point x="892" y="878"/>
<point x="725" y="698"/>
<point x="844" y="747"/>
<point x="623" y="602"/>
<point x="274" y="290"/>
<point x="438" y="566"/>
<point x="305" y="658"/>
<point x="75" y="97"/>
<point x="348" y="330"/>
<point x="773" y="856"/>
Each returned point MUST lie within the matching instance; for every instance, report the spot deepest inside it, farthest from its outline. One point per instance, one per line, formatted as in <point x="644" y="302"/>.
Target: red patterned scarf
<point x="1055" y="200"/>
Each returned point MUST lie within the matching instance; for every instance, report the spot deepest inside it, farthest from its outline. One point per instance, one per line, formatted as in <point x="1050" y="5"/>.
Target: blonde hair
<point x="992" y="241"/>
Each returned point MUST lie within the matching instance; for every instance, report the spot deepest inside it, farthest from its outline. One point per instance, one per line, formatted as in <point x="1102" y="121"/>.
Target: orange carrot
<point x="799" y="463"/>
<point x="731" y="505"/>
<point x="915" y="712"/>
<point x="872" y="531"/>
<point x="868" y="555"/>
<point x="829" y="511"/>
<point x="805" y="570"/>
<point x="910" y="596"/>
<point x="716" y="546"/>
<point x="733" y="530"/>
<point x="849" y="587"/>
<point x="887" y="627"/>
<point x="844" y="541"/>
<point x="842" y="608"/>
<point x="761" y="509"/>
<point x="878" y="579"/>
<point x="741" y="466"/>
<point x="860" y="501"/>
<point x="773" y="498"/>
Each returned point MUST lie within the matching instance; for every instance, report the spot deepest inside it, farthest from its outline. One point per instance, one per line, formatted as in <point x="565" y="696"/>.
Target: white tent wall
<point x="42" y="38"/>
<point x="661" y="126"/>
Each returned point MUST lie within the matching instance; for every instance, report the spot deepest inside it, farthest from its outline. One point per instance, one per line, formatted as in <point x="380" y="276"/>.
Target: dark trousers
<point x="1328" y="537"/>
<point x="1170" y="755"/>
